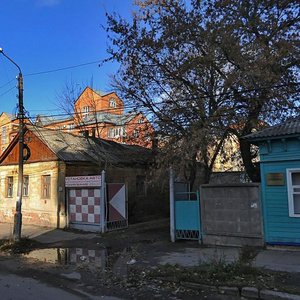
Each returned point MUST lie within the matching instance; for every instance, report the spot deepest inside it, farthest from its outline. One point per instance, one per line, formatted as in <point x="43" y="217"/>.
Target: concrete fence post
<point x="172" y="204"/>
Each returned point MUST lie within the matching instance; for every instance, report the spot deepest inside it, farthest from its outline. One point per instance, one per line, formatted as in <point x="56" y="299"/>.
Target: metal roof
<point x="70" y="148"/>
<point x="46" y="120"/>
<point x="104" y="117"/>
<point x="100" y="117"/>
<point x="102" y="93"/>
<point x="289" y="128"/>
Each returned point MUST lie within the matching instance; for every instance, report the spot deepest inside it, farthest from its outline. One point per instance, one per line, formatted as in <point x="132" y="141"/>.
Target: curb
<point x="245" y="292"/>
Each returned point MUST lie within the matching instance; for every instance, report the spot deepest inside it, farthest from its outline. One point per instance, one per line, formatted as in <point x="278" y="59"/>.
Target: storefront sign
<point x="83" y="181"/>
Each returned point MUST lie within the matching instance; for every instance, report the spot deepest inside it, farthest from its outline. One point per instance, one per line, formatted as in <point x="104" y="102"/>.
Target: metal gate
<point x="117" y="208"/>
<point x="94" y="205"/>
<point x="187" y="215"/>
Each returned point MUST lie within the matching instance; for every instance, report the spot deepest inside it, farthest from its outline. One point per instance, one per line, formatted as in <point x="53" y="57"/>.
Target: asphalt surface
<point x="285" y="259"/>
<point x="160" y="251"/>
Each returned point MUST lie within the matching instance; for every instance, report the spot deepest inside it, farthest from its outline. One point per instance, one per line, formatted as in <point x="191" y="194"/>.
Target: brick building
<point x="56" y="155"/>
<point x="9" y="126"/>
<point x="103" y="115"/>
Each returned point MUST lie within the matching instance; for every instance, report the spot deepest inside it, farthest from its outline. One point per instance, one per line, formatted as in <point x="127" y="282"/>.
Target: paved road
<point x="13" y="287"/>
<point x="286" y="259"/>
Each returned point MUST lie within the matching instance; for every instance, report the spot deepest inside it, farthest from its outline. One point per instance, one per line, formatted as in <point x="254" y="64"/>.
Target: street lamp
<point x="18" y="213"/>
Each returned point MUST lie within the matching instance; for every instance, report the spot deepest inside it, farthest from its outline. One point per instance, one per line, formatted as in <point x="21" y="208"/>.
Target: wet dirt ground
<point x="117" y="264"/>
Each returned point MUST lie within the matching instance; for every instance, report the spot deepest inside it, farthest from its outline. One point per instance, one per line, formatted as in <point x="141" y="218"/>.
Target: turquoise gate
<point x="187" y="213"/>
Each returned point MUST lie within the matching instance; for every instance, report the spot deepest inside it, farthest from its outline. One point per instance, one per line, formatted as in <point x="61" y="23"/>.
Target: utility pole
<point x="18" y="213"/>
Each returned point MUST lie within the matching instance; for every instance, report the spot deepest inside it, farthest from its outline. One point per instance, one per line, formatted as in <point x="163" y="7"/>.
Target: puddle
<point x="52" y="255"/>
<point x="64" y="256"/>
<point x="100" y="259"/>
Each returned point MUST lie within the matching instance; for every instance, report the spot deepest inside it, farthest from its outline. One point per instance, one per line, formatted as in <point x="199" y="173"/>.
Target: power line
<point x="7" y="91"/>
<point x="2" y="86"/>
<point x="42" y="129"/>
<point x="135" y="106"/>
<point x="91" y="112"/>
<point x="64" y="68"/>
<point x="49" y="71"/>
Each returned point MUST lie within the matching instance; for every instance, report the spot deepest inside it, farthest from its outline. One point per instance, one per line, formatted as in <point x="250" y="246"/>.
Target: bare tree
<point x="205" y="69"/>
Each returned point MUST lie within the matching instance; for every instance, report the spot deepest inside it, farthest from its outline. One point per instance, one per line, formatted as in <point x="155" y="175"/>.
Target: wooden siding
<point x="277" y="157"/>
<point x="39" y="151"/>
<point x="280" y="150"/>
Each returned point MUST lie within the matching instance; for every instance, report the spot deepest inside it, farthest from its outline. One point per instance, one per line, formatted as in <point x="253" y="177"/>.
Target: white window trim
<point x="290" y="192"/>
<point x="116" y="132"/>
<point x="25" y="187"/>
<point x="85" y="111"/>
<point x="112" y="103"/>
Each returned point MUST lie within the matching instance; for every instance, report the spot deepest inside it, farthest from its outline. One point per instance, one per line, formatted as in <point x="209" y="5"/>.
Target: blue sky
<point x="45" y="35"/>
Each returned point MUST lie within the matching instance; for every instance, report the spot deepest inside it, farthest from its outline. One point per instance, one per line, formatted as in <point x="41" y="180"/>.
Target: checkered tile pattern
<point x="84" y="205"/>
<point x="96" y="257"/>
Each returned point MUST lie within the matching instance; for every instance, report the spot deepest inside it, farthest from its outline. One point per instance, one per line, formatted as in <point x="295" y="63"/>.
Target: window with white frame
<point x="71" y="126"/>
<point x="3" y="136"/>
<point x="136" y="133"/>
<point x="26" y="185"/>
<point x="293" y="186"/>
<point x="110" y="133"/>
<point x="112" y="102"/>
<point x="46" y="186"/>
<point x="85" y="111"/>
<point x="10" y="186"/>
<point x="116" y="132"/>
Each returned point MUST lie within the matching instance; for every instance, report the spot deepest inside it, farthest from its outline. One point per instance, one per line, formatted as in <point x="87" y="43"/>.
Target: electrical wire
<point x="162" y="102"/>
<point x="64" y="68"/>
<point x="2" y="86"/>
<point x="7" y="91"/>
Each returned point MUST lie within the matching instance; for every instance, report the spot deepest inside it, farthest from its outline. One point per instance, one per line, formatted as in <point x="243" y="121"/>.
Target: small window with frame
<point x="46" y="186"/>
<point x="26" y="186"/>
<point x="293" y="186"/>
<point x="10" y="186"/>
<point x="136" y="133"/>
<point x="85" y="111"/>
<point x="111" y="133"/>
<point x="112" y="103"/>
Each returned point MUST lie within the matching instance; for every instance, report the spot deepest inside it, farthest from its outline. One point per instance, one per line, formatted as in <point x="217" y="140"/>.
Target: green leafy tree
<point x="204" y="69"/>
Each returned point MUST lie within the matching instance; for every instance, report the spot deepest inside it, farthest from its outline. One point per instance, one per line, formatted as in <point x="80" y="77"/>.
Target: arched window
<point x="112" y="102"/>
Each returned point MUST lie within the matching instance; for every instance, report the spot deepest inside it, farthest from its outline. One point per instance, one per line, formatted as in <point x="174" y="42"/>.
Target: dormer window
<point x="112" y="102"/>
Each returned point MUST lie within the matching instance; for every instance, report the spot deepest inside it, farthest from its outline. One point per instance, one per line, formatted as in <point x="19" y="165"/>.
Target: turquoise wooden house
<point x="279" y="148"/>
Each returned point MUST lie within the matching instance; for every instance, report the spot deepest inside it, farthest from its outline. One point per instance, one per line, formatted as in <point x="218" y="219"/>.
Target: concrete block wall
<point x="231" y="214"/>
